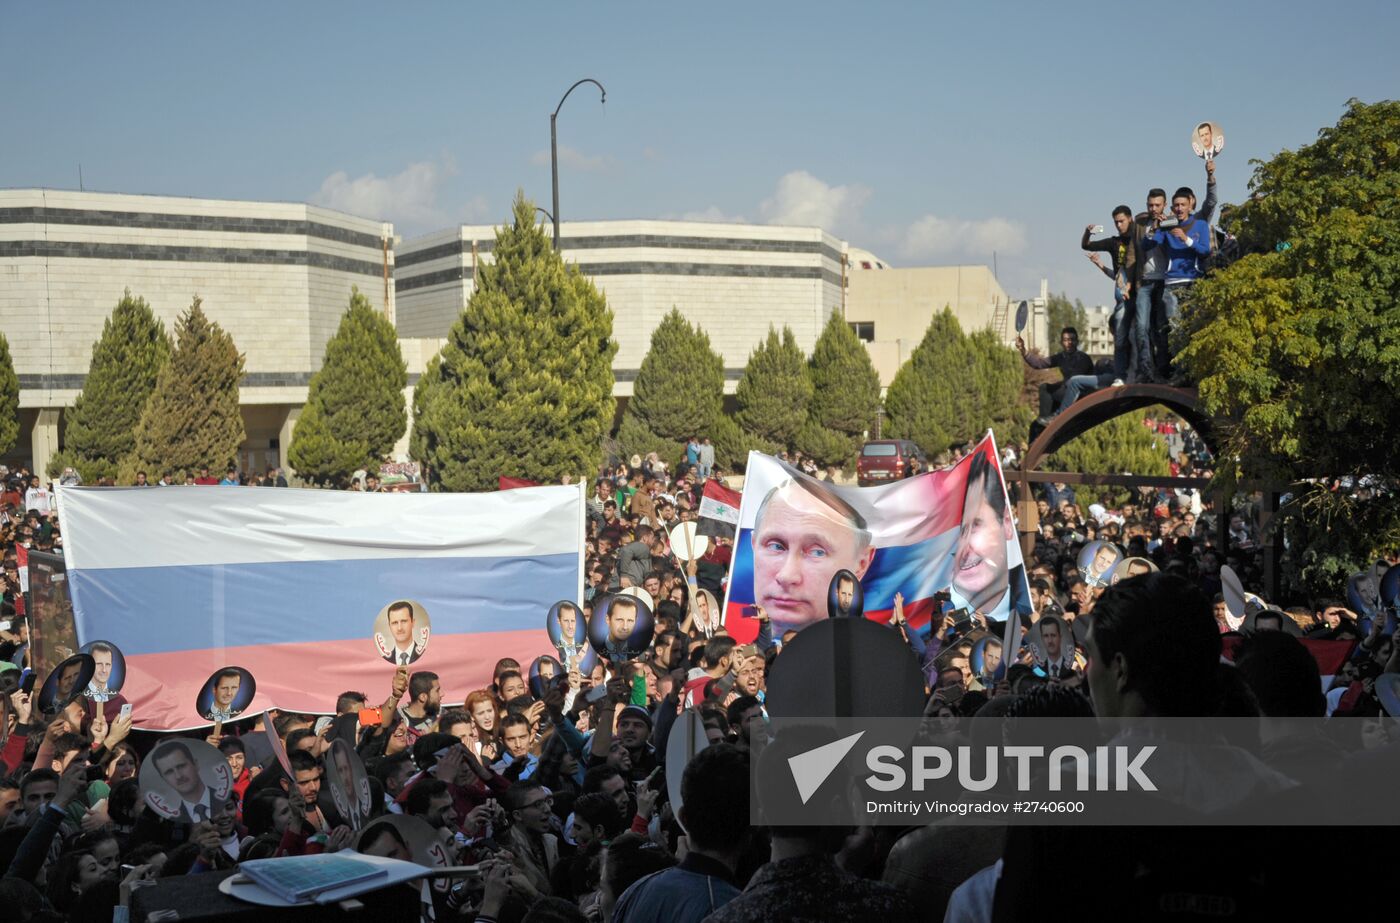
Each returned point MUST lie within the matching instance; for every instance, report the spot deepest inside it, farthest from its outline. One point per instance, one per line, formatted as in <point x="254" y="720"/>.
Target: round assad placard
<point x="407" y="838"/>
<point x="543" y="671"/>
<point x="1132" y="567"/>
<point x="1052" y="643"/>
<point x="183" y="779"/>
<point x="985" y="659"/>
<point x="1096" y="562"/>
<point x="1362" y="594"/>
<point x="401" y="632"/>
<point x="567" y="629"/>
<point x="109" y="670"/>
<point x="844" y="598"/>
<point x="1207" y="140"/>
<point x="621" y="627"/>
<point x="348" y="783"/>
<point x="1023" y="314"/>
<point x="66" y="683"/>
<point x="226" y="694"/>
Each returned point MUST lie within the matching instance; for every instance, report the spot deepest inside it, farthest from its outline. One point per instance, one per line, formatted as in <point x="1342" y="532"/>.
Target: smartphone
<point x="321" y="724"/>
<point x="26" y="683"/>
<point x="125" y="712"/>
<point x="657" y="776"/>
<point x="1098" y="229"/>
<point x="596" y="694"/>
<point x="369" y="717"/>
<point x="749" y="612"/>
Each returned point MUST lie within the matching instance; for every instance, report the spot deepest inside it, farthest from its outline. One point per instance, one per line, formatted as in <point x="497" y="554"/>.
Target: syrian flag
<point x="719" y="510"/>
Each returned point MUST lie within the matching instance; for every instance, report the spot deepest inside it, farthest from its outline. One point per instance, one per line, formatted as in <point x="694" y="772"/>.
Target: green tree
<point x="1296" y="346"/>
<point x="998" y="380"/>
<point x="845" y="395"/>
<point x="524" y="384"/>
<point x="100" y="429"/>
<point x="354" y="409"/>
<point x="774" y="392"/>
<point x="192" y="419"/>
<point x="929" y="401"/>
<point x="679" y="391"/>
<point x="1123" y="445"/>
<point x="1060" y="313"/>
<point x="9" y="398"/>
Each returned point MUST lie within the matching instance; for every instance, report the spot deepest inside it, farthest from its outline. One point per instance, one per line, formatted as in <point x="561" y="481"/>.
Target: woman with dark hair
<point x="70" y="876"/>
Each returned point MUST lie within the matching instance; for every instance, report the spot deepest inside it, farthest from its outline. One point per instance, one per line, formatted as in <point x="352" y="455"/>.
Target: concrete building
<point x="734" y="280"/>
<point x="277" y="276"/>
<point x="890" y="309"/>
<point x="1097" y="337"/>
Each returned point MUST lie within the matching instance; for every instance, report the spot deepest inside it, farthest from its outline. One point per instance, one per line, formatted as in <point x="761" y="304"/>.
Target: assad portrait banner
<point x="937" y="539"/>
<point x="314" y="592"/>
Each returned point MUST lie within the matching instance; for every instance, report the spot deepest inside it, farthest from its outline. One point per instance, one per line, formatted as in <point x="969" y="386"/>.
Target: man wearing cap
<point x="633" y="730"/>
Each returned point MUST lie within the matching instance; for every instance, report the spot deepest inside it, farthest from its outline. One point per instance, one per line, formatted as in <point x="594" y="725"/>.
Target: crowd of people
<point x="557" y="792"/>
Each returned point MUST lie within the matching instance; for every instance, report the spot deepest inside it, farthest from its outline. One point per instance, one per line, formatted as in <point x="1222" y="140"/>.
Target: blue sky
<point x="929" y="133"/>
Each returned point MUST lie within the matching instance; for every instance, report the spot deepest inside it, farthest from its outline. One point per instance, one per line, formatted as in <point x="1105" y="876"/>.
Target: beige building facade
<point x="276" y="276"/>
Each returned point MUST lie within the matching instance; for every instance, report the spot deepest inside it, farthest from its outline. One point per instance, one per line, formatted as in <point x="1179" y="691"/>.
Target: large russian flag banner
<point x="948" y="530"/>
<point x="288" y="585"/>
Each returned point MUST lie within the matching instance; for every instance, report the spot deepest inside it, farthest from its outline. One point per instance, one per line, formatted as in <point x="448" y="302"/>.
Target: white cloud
<point x="408" y="198"/>
<point x="802" y="199"/>
<point x="932" y="236"/>
<point x="574" y="160"/>
<point x="713" y="213"/>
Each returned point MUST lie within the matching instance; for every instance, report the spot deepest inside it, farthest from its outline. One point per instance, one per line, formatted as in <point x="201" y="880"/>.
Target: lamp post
<point x="554" y="147"/>
<point x="544" y="211"/>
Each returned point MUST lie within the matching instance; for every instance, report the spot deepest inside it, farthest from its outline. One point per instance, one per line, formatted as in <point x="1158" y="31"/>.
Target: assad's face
<point x="179" y="772"/>
<point x="401" y="626"/>
<point x="1103" y="559"/>
<point x="621" y="621"/>
<point x="1206" y="135"/>
<point x="979" y="560"/>
<point x="226" y="690"/>
<point x="991" y="658"/>
<point x="103" y="671"/>
<point x="567" y="621"/>
<point x="67" y="678"/>
<point x="1050" y="637"/>
<point x="846" y="594"/>
<point x="798" y="547"/>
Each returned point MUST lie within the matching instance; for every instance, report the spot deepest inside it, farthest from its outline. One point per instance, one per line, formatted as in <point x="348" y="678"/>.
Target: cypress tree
<point x="9" y="398"/>
<point x="679" y="391"/>
<point x="100" y="429"/>
<point x="355" y="408"/>
<point x="192" y="419"/>
<point x="524" y="383"/>
<point x="845" y="394"/>
<point x="928" y="400"/>
<point x="774" y="393"/>
<point x="998" y="378"/>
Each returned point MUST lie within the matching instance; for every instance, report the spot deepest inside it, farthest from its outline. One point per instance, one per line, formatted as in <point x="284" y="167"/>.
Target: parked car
<point x="885" y="460"/>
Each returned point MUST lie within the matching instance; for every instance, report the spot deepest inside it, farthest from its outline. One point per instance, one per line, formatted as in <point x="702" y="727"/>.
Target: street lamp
<point x="545" y="212"/>
<point x="554" y="147"/>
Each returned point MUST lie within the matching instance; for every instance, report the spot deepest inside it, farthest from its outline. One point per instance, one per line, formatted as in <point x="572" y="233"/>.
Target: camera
<point x="1166" y="224"/>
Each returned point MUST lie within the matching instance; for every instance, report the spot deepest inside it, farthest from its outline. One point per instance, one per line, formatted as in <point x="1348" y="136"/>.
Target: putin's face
<point x="226" y="689"/>
<point x="979" y="558"/>
<point x="622" y="618"/>
<point x="798" y="546"/>
<point x="401" y="625"/>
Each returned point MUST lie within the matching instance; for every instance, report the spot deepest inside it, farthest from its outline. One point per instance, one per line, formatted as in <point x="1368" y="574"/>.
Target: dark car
<point x="885" y="460"/>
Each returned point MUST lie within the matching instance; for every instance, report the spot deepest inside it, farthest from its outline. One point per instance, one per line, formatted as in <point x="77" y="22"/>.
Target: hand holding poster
<point x="948" y="530"/>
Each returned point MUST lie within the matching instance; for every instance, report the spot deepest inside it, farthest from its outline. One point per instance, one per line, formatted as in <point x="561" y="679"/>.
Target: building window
<point x="864" y="329"/>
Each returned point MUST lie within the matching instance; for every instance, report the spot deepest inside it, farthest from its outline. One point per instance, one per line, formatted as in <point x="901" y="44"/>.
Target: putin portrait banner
<point x="944" y="538"/>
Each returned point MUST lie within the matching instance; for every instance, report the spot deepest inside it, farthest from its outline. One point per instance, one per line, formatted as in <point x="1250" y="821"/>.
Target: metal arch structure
<point x="1105" y="404"/>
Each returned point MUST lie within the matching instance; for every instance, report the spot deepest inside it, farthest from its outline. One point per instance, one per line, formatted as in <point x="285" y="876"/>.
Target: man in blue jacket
<point x="1186" y="247"/>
